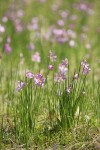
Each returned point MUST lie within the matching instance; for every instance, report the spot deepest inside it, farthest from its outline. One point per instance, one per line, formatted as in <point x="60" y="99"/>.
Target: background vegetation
<point x="62" y="114"/>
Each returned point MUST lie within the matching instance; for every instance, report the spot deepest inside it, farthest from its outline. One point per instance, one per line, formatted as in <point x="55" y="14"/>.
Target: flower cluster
<point x="29" y="75"/>
<point x="39" y="80"/>
<point x="62" y="70"/>
<point x="85" y="67"/>
<point x="20" y="85"/>
<point x="59" y="77"/>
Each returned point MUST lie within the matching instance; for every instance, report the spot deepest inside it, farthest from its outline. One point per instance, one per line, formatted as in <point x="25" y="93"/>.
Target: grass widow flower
<point x="39" y="80"/>
<point x="29" y="75"/>
<point x="59" y="77"/>
<point x="50" y="67"/>
<point x="20" y="86"/>
<point x="52" y="56"/>
<point x="62" y="69"/>
<point x="85" y="67"/>
<point x="7" y="48"/>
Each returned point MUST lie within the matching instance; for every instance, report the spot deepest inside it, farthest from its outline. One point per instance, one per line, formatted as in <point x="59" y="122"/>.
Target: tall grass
<point x="60" y="99"/>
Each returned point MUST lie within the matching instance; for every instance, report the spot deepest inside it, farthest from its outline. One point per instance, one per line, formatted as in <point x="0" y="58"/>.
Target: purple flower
<point x="20" y="85"/>
<point x="62" y="69"/>
<point x="60" y="35"/>
<point x="39" y="80"/>
<point x="52" y="56"/>
<point x="59" y="32"/>
<point x="60" y="22"/>
<point x="86" y="70"/>
<point x="64" y="14"/>
<point x="36" y="57"/>
<point x="29" y="75"/>
<point x="7" y="48"/>
<point x="65" y="62"/>
<point x="59" y="77"/>
<point x="50" y="67"/>
<point x="85" y="67"/>
<point x="83" y="63"/>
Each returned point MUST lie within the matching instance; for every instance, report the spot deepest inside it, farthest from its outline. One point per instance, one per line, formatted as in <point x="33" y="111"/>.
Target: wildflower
<point x="50" y="67"/>
<point x="59" y="77"/>
<point x="62" y="39"/>
<point x="86" y="70"/>
<point x="20" y="85"/>
<point x="83" y="63"/>
<point x="52" y="56"/>
<point x="83" y="7"/>
<point x="65" y="62"/>
<point x="62" y="69"/>
<point x="59" y="32"/>
<point x="85" y="67"/>
<point x="29" y="75"/>
<point x="36" y="57"/>
<point x="7" y="48"/>
<point x="39" y="80"/>
<point x="60" y="22"/>
<point x="60" y="35"/>
<point x="68" y="89"/>
<point x="64" y="14"/>
<point x="76" y="76"/>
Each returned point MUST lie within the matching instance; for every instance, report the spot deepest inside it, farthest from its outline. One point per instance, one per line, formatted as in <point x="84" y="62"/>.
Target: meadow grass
<point x="49" y="75"/>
